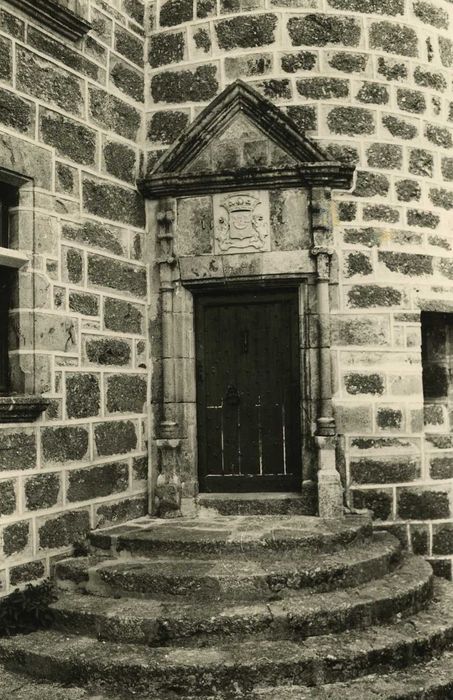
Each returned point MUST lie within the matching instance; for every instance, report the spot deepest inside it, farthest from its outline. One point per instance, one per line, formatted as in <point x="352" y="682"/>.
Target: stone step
<point x="432" y="680"/>
<point x="231" y="535"/>
<point x="239" y="667"/>
<point x="299" y="615"/>
<point x="246" y="577"/>
<point x="304" y="503"/>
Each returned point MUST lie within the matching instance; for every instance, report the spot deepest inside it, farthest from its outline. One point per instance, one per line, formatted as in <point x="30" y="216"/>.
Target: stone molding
<point x="54" y="16"/>
<point x="22" y="409"/>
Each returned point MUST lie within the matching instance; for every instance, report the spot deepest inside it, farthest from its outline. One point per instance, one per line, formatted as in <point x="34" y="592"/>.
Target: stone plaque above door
<point x="241" y="222"/>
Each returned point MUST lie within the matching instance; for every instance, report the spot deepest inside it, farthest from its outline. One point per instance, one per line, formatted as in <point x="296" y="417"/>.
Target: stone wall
<point x="71" y="116"/>
<point x="370" y="81"/>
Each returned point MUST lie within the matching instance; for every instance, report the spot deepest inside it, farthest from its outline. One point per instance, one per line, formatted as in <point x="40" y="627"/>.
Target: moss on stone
<point x="371" y="296"/>
<point x="408" y="190"/>
<point x="64" y="444"/>
<point x="42" y="491"/>
<point x="185" y="86"/>
<point x="323" y="88"/>
<point x="385" y="155"/>
<point x="373" y="93"/>
<point x="165" y="127"/>
<point x="246" y="31"/>
<point x="175" y="12"/>
<point x="321" y="30"/>
<point x="350" y="121"/>
<point x="399" y="128"/>
<point x="391" y="70"/>
<point x="293" y="62"/>
<point x="166" y="48"/>
<point x="394" y="38"/>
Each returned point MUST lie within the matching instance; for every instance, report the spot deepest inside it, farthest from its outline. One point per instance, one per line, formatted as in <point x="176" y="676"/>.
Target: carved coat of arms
<point x="241" y="222"/>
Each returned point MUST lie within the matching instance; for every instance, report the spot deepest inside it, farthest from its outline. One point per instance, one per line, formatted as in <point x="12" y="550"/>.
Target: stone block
<point x="399" y="128"/>
<point x="64" y="444"/>
<point x="411" y="100"/>
<point x="17" y="449"/>
<point x="408" y="190"/>
<point x="126" y="393"/>
<point x="372" y="296"/>
<point x="419" y="539"/>
<point x="63" y="530"/>
<point x="140" y="468"/>
<point x="385" y="155"/>
<point x="389" y="418"/>
<point x="83" y="395"/>
<point x="70" y="138"/>
<point x="354" y="419"/>
<point x="442" y="568"/>
<point x="443" y="538"/>
<point x="129" y="45"/>
<point x="383" y="7"/>
<point x="358" y="384"/>
<point x="25" y="158"/>
<point x="73" y="265"/>
<point x="113" y="113"/>
<point x="122" y="316"/>
<point x="197" y="85"/>
<point x="246" y="31"/>
<point x="347" y="62"/>
<point x="63" y="52"/>
<point x="40" y="78"/>
<point x="128" y="80"/>
<point x="410" y="264"/>
<point x="25" y="573"/>
<point x="84" y="303"/>
<point x="194" y="229"/>
<point x="324" y="30"/>
<point x="42" y="491"/>
<point x="109" y="514"/>
<point x="10" y="24"/>
<point x="358" y="264"/>
<point x="423" y="503"/>
<point x="439" y="135"/>
<point x="6" y="60"/>
<point x="113" y="274"/>
<point x="384" y="470"/>
<point x="16" y="538"/>
<point x="16" y="112"/>
<point x="96" y="482"/>
<point x="373" y="93"/>
<point x="394" y="38"/>
<point x="108" y="351"/>
<point x="430" y="79"/>
<point x="291" y="62"/>
<point x="8" y="498"/>
<point x="365" y="330"/>
<point x="351" y="121"/>
<point x="174" y="12"/>
<point x="289" y="220"/>
<point x="66" y="179"/>
<point x="120" y="161"/>
<point x="426" y="219"/>
<point x="115" y="437"/>
<point x="441" y="467"/>
<point x="166" y="48"/>
<point x="428" y="13"/>
<point x="165" y="127"/>
<point x="446" y="51"/>
<point x="321" y="88"/>
<point x="379" y="501"/>
<point x="135" y="9"/>
<point x="110" y="201"/>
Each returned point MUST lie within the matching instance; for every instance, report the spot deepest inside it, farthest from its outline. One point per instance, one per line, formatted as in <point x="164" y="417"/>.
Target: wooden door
<point x="248" y="393"/>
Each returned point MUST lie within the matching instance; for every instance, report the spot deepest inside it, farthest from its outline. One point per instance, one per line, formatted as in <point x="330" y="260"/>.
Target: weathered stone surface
<point x="371" y="184"/>
<point x="441" y="197"/>
<point x="429" y="79"/>
<point x="10" y="24"/>
<point x="384" y="470"/>
<point x="114" y="274"/>
<point x="84" y="303"/>
<point x="104" y="199"/>
<point x="246" y="31"/>
<point x="422" y="504"/>
<point x="64" y="444"/>
<point x="384" y="7"/>
<point x="411" y="100"/>
<point x="322" y="30"/>
<point x="62" y="52"/>
<point x="439" y="135"/>
<point x="24" y="573"/>
<point x="417" y="217"/>
<point x="399" y="128"/>
<point x="42" y="491"/>
<point x="443" y="538"/>
<point x="63" y="530"/>
<point x="96" y="482"/>
<point x="373" y="93"/>
<point x="6" y="60"/>
<point x="373" y="330"/>
<point x="380" y="212"/>
<point x="165" y="127"/>
<point x="323" y="88"/>
<point x="350" y="121"/>
<point x="304" y="116"/>
<point x="364" y="384"/>
<point x="70" y="138"/>
<point x="16" y="538"/>
<point x="118" y="437"/>
<point x="385" y="155"/>
<point x="140" y="468"/>
<point x="174" y="12"/>
<point x="113" y="513"/>
<point x="431" y="14"/>
<point x="370" y="296"/>
<point x="408" y="190"/>
<point x="83" y="395"/>
<point x="120" y="161"/>
<point x="166" y="48"/>
<point x="407" y="263"/>
<point x="198" y="85"/>
<point x="113" y="113"/>
<point x="47" y="81"/>
<point x="16" y="112"/>
<point x="122" y="316"/>
<point x="394" y="38"/>
<point x="129" y="45"/>
<point x="389" y="418"/>
<point x="108" y="351"/>
<point x="126" y="393"/>
<point x="128" y="80"/>
<point x="293" y="62"/>
<point x="446" y="51"/>
<point x="378" y="501"/>
<point x="441" y="467"/>
<point x="96" y="234"/>
<point x="25" y="158"/>
<point x="421" y="162"/>
<point x="7" y="497"/>
<point x="17" y="449"/>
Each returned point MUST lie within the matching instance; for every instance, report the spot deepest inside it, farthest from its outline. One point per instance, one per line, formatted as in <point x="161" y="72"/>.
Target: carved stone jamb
<point x="168" y="486"/>
<point x="330" y="490"/>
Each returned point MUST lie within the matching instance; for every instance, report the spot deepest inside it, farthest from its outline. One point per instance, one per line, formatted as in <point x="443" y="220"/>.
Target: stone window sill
<point x="12" y="258"/>
<point x="21" y="409"/>
<point x="55" y="14"/>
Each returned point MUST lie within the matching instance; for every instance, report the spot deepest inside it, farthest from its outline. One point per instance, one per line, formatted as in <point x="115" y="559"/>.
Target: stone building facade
<point x="323" y="130"/>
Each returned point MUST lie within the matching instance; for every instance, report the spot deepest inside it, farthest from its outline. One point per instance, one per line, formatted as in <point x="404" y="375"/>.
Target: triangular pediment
<point x="239" y="129"/>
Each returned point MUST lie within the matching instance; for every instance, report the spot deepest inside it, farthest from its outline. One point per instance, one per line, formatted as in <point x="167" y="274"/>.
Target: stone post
<point x="330" y="490"/>
<point x="168" y="486"/>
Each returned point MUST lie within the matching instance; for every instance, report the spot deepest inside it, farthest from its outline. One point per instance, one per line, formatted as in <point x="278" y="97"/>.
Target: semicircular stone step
<point x="296" y="616"/>
<point x="236" y="668"/>
<point x="231" y="535"/>
<point x="244" y="577"/>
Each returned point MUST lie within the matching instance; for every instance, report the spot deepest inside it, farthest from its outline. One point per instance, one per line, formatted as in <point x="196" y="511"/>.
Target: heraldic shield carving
<point x="241" y="222"/>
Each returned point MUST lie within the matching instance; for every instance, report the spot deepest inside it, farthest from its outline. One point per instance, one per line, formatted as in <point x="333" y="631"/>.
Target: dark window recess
<point x="437" y="355"/>
<point x="8" y="198"/>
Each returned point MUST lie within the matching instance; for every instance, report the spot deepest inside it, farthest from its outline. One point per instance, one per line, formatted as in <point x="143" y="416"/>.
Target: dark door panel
<point x="248" y="392"/>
